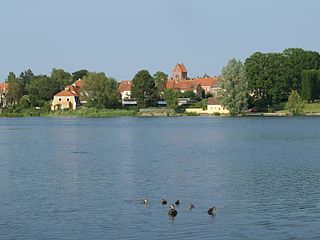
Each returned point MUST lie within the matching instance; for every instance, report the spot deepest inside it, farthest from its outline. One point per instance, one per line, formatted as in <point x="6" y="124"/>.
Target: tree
<point x="144" y="89"/>
<point x="171" y="98"/>
<point x="101" y="91"/>
<point x="25" y="78"/>
<point x="266" y="78"/>
<point x="298" y="60"/>
<point x="62" y="77"/>
<point x="295" y="103"/>
<point x="234" y="93"/>
<point x="310" y="85"/>
<point x="160" y="79"/>
<point x="15" y="89"/>
<point x="79" y="74"/>
<point x="41" y="89"/>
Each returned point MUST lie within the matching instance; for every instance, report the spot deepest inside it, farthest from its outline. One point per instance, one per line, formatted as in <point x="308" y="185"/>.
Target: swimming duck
<point x="172" y="211"/>
<point x="191" y="206"/>
<point x="178" y="202"/>
<point x="212" y="211"/>
<point x="145" y="201"/>
<point x="163" y="202"/>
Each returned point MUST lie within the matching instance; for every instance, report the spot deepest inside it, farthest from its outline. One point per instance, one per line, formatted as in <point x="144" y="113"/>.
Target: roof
<point x="65" y="93"/>
<point x="125" y="86"/>
<point x="181" y="67"/>
<point x="213" y="101"/>
<point x="189" y="85"/>
<point x="4" y="86"/>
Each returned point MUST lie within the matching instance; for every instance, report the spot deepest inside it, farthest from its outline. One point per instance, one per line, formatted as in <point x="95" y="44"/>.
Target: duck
<point x="212" y="211"/>
<point x="144" y="201"/>
<point x="178" y="202"/>
<point x="163" y="202"/>
<point x="191" y="206"/>
<point x="172" y="211"/>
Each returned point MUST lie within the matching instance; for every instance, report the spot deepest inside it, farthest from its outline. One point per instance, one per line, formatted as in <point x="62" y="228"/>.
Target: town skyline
<point x="121" y="37"/>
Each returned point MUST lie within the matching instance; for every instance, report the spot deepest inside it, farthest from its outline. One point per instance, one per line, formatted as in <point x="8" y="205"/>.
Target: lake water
<point x="82" y="178"/>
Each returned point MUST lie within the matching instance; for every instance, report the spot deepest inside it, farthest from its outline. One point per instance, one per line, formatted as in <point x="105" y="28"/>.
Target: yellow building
<point x="213" y="107"/>
<point x="69" y="98"/>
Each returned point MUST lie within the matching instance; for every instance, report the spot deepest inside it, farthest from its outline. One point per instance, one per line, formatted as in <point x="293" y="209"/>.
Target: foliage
<point x="272" y="76"/>
<point x="101" y="91"/>
<point x="80" y="74"/>
<point x="171" y="98"/>
<point x="234" y="94"/>
<point x="41" y="89"/>
<point x="144" y="89"/>
<point x="310" y="85"/>
<point x="62" y="78"/>
<point x="25" y="101"/>
<point x="15" y="90"/>
<point x="295" y="103"/>
<point x="160" y="79"/>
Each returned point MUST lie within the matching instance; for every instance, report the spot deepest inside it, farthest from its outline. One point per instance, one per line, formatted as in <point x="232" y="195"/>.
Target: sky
<point x="121" y="37"/>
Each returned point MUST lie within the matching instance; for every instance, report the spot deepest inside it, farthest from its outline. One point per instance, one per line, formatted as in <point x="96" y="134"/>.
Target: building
<point x="3" y="92"/>
<point x="125" y="91"/>
<point x="180" y="82"/>
<point x="69" y="98"/>
<point x="179" y="73"/>
<point x="213" y="107"/>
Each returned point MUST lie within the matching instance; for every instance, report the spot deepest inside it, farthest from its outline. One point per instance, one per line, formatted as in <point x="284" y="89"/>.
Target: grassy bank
<point x="83" y="112"/>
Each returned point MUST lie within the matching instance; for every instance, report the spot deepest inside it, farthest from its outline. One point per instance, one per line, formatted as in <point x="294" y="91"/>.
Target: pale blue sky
<point x="120" y="37"/>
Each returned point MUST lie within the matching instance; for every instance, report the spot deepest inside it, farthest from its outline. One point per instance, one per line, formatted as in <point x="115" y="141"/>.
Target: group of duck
<point x="173" y="211"/>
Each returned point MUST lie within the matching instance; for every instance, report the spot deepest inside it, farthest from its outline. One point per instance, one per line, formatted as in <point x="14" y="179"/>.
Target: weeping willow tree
<point x="234" y="95"/>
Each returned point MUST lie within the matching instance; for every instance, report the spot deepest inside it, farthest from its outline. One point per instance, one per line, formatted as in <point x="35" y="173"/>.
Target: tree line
<point x="265" y="80"/>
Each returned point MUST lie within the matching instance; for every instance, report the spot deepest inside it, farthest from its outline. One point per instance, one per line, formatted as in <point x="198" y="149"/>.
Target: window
<point x="67" y="99"/>
<point x="59" y="99"/>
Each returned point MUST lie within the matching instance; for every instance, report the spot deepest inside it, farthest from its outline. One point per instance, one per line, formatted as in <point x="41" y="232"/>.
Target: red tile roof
<point x="192" y="84"/>
<point x="213" y="101"/>
<point x="71" y="90"/>
<point x="4" y="86"/>
<point x="125" y="86"/>
<point x="65" y="93"/>
<point x="182" y="67"/>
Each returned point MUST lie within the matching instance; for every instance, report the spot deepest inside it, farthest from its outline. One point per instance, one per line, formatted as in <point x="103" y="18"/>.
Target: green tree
<point x="234" y="93"/>
<point x="295" y="103"/>
<point x="144" y="89"/>
<point x="80" y="74"/>
<point x="310" y="85"/>
<point x="15" y="90"/>
<point x="62" y="77"/>
<point x="298" y="60"/>
<point x="101" y="91"/>
<point x="25" y="79"/>
<point x="171" y="98"/>
<point x="160" y="79"/>
<point x="41" y="89"/>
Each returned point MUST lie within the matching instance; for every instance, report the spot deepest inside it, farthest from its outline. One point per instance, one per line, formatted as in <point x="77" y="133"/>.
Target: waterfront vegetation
<point x="286" y="82"/>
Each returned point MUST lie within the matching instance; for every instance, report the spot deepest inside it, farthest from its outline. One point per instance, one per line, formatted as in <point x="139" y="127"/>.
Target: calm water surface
<point x="82" y="178"/>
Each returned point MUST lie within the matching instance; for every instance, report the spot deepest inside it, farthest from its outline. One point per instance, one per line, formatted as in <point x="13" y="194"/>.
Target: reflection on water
<point x="70" y="178"/>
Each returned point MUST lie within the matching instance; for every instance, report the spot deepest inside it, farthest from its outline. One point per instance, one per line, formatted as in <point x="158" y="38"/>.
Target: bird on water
<point x="163" y="202"/>
<point x="178" y="202"/>
<point x="191" y="206"/>
<point x="212" y="211"/>
<point x="144" y="201"/>
<point x="172" y="211"/>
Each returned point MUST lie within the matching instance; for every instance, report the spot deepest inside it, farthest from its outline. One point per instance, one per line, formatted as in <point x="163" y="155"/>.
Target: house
<point x="180" y="82"/>
<point x="3" y="91"/>
<point x="179" y="73"/>
<point x="125" y="91"/>
<point x="69" y="98"/>
<point x="214" y="106"/>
